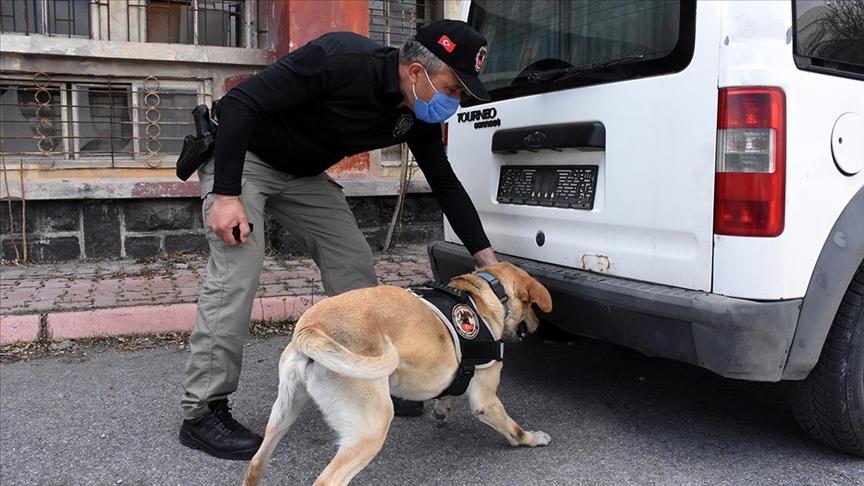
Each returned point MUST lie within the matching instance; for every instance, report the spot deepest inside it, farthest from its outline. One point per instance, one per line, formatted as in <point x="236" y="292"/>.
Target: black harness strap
<point x="472" y="354"/>
<point x="480" y="350"/>
<point x="460" y="382"/>
<point x="478" y="353"/>
<point x="446" y="289"/>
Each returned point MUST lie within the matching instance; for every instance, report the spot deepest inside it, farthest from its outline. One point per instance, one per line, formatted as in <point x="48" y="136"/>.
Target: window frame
<point x="676" y="61"/>
<point x="42" y="18"/>
<point x="73" y="90"/>
<point x="395" y="28"/>
<point x="103" y="22"/>
<point x="817" y="64"/>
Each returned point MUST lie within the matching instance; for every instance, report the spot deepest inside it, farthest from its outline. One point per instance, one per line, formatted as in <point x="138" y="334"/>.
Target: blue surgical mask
<point x="438" y="109"/>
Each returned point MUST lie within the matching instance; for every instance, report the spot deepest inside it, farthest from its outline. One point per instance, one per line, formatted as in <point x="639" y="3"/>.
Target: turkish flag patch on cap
<point x="447" y="44"/>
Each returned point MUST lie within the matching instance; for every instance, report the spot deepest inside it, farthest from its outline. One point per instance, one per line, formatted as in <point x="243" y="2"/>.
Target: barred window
<point x="197" y="22"/>
<point x="29" y="119"/>
<point x="95" y="123"/>
<point x="49" y="17"/>
<point x="200" y="22"/>
<point x="392" y="22"/>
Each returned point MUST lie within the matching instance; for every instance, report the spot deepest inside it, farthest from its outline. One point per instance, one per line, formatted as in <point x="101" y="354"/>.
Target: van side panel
<point x="756" y="50"/>
<point x="841" y="255"/>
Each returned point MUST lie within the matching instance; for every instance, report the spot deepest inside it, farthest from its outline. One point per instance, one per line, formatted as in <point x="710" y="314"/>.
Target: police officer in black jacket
<point x="337" y="96"/>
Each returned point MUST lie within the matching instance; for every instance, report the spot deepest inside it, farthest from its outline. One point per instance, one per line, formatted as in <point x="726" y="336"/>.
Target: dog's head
<point x="522" y="291"/>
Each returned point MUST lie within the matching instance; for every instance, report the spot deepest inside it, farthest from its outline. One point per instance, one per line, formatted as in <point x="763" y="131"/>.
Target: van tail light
<point x="445" y="132"/>
<point x="750" y="179"/>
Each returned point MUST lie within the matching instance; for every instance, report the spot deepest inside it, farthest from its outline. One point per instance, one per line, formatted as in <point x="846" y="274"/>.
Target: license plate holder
<point x="557" y="186"/>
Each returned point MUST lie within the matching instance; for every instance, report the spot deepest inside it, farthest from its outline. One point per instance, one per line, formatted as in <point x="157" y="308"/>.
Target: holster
<point x="195" y="152"/>
<point x="198" y="148"/>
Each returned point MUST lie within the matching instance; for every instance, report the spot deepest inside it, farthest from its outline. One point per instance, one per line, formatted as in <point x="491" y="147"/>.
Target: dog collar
<point x="498" y="288"/>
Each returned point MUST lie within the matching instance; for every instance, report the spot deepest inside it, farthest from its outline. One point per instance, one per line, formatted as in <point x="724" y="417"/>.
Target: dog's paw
<point x="537" y="438"/>
<point x="442" y="409"/>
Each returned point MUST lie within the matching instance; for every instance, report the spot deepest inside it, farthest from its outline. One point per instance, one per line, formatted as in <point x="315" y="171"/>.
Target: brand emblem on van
<point x="465" y="320"/>
<point x="535" y="139"/>
<point x="485" y="118"/>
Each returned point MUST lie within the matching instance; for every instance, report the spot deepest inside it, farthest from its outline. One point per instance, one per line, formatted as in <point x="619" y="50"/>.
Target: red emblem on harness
<point x="447" y="44"/>
<point x="465" y="321"/>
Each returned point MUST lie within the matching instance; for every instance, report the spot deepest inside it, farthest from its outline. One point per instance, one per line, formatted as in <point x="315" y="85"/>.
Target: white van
<point x="687" y="178"/>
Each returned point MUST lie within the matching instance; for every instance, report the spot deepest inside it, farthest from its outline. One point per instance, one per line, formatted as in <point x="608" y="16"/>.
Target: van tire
<point x="829" y="403"/>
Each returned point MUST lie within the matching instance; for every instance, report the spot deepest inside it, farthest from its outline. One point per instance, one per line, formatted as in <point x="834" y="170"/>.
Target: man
<point x="339" y="95"/>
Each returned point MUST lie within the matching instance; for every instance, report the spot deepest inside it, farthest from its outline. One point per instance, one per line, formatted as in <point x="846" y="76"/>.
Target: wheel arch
<point x="838" y="261"/>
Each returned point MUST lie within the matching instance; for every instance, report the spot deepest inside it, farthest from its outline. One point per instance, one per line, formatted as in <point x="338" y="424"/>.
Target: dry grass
<point x="76" y="350"/>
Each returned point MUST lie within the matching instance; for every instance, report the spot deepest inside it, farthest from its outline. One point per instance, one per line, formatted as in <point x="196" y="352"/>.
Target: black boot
<point x="218" y="434"/>
<point x="406" y="408"/>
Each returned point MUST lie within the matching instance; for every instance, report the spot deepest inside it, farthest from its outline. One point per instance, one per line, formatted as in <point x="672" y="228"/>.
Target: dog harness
<point x="476" y="346"/>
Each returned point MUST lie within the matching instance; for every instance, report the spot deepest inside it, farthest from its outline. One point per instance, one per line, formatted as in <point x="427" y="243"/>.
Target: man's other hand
<point x="226" y="213"/>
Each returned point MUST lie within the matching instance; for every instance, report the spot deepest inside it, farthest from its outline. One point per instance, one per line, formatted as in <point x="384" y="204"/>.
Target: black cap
<point x="460" y="47"/>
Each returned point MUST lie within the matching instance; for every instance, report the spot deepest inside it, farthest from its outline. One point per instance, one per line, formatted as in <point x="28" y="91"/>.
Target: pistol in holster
<point x="198" y="148"/>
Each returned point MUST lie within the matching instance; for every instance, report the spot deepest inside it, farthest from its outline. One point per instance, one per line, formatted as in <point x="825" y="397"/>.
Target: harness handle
<point x="447" y="289"/>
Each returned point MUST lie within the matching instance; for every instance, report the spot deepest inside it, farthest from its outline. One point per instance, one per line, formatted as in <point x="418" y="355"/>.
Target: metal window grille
<point x="70" y="18"/>
<point x="197" y="22"/>
<point x="95" y="123"/>
<point x="392" y="22"/>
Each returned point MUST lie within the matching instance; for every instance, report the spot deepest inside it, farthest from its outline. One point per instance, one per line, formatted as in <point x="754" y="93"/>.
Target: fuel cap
<point x="847" y="143"/>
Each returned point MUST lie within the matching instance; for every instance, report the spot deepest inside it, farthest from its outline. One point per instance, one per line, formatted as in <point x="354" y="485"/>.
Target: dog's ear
<point x="530" y="290"/>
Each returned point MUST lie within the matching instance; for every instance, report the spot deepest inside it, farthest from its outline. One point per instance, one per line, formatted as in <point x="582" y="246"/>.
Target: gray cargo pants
<point x="314" y="211"/>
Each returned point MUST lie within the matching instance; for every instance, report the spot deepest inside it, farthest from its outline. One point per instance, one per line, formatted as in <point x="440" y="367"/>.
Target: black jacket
<point x="334" y="97"/>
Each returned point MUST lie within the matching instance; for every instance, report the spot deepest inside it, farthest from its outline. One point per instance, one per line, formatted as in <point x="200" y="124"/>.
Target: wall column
<point x="296" y="22"/>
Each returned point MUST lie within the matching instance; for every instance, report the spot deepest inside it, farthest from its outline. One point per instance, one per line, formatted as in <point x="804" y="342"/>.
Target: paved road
<point x="615" y="418"/>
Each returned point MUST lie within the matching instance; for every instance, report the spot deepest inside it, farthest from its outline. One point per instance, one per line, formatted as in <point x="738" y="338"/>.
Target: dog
<point x="351" y="352"/>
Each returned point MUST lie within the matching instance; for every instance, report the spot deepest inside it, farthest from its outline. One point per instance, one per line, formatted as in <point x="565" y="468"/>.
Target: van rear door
<point x="598" y="148"/>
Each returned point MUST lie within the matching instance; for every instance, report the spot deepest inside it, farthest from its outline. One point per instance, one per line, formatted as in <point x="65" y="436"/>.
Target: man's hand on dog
<point x="226" y="213"/>
<point x="485" y="257"/>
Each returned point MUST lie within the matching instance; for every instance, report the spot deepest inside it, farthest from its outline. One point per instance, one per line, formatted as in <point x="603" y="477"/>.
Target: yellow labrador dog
<point x="351" y="352"/>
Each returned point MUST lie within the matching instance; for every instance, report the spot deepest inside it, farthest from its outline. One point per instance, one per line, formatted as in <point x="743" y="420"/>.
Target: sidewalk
<point x="72" y="300"/>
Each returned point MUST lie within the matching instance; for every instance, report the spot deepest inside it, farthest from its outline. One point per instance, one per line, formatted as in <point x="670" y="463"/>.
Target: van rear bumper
<point x="735" y="338"/>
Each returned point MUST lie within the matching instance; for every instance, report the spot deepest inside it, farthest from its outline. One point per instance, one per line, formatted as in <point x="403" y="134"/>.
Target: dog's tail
<point x="339" y="359"/>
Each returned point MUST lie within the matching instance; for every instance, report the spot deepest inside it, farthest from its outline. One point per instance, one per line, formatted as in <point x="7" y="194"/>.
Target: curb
<point x="121" y="321"/>
<point x="19" y="329"/>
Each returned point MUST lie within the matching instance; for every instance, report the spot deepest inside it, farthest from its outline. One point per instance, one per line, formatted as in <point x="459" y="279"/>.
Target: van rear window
<point x="537" y="46"/>
<point x="829" y="36"/>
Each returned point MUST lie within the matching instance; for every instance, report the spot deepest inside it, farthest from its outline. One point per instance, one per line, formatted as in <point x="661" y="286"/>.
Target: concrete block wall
<point x="63" y="230"/>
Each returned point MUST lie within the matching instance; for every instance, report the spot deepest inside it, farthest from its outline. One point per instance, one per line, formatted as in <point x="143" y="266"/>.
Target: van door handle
<point x="589" y="136"/>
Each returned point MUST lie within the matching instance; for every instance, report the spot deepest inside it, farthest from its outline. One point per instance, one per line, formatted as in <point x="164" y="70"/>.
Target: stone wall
<point x="143" y="228"/>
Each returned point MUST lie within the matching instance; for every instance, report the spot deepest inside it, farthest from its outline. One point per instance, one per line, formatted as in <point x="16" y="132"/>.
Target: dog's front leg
<point x="491" y="412"/>
<point x="486" y="406"/>
<point x="443" y="408"/>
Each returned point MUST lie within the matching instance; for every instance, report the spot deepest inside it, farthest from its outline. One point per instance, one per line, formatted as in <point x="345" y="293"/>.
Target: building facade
<point x="96" y="98"/>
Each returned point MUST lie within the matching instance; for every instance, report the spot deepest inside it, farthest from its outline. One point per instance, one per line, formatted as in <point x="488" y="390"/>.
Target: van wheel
<point x="829" y="404"/>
